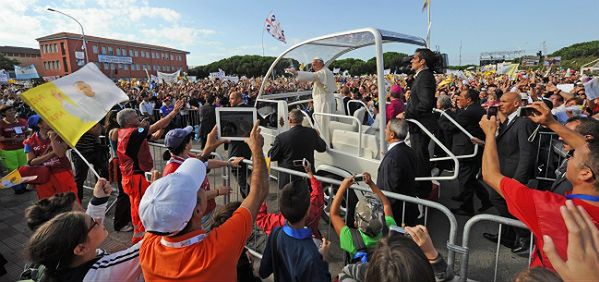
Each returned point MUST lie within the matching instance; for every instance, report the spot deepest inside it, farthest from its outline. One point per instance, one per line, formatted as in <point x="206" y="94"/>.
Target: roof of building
<point x="69" y="35"/>
<point x="19" y="50"/>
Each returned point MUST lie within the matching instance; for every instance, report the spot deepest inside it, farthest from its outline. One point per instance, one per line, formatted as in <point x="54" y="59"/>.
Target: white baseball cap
<point x="167" y="205"/>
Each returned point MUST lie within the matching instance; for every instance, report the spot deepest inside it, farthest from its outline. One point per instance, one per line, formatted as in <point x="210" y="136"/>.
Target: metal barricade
<point x="453" y="224"/>
<point x="465" y="248"/>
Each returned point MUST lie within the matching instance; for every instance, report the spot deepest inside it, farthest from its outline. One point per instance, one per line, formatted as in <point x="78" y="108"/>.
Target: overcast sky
<point x="212" y="30"/>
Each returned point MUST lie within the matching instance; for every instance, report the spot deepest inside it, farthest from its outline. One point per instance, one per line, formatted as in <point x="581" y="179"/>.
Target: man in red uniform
<point x="135" y="158"/>
<point x="540" y="210"/>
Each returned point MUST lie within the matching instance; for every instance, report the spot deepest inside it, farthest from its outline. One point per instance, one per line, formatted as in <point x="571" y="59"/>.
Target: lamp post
<point x="85" y="57"/>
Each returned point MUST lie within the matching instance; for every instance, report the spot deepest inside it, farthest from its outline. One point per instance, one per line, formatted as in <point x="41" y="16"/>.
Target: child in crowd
<point x="291" y="254"/>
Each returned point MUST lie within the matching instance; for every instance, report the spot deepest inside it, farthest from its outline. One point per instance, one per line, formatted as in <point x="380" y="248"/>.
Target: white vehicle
<point x="352" y="147"/>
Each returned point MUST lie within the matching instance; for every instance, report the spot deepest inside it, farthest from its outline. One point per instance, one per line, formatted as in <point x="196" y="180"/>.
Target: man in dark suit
<point x="207" y="118"/>
<point x="468" y="116"/>
<point x="397" y="172"/>
<point x="297" y="143"/>
<point x="239" y="149"/>
<point x="420" y="107"/>
<point x="516" y="160"/>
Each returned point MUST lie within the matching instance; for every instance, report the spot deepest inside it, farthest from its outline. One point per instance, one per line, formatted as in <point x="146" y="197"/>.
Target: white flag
<point x="274" y="28"/>
<point x="591" y="88"/>
<point x="336" y="70"/>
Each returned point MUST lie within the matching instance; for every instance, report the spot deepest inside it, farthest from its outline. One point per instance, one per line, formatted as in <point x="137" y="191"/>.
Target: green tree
<point x="6" y="63"/>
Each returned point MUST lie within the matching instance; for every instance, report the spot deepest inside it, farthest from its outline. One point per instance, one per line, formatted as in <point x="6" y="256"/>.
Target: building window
<point x="106" y="66"/>
<point x="125" y="67"/>
<point x="104" y="50"/>
<point x="172" y="57"/>
<point x="95" y="49"/>
<point x="55" y="49"/>
<point x="136" y="53"/>
<point x="130" y="53"/>
<point x="118" y="51"/>
<point x="62" y="47"/>
<point x="110" y="52"/>
<point x="64" y="63"/>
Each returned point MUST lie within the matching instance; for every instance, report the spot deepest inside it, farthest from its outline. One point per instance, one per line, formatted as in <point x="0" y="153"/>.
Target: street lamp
<point x="82" y="33"/>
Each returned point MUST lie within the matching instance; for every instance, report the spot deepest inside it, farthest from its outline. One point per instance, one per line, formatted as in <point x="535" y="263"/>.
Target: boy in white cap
<point x="175" y="247"/>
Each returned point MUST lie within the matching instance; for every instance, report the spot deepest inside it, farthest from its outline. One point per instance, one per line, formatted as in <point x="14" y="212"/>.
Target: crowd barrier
<point x="465" y="248"/>
<point x="453" y="225"/>
<point x="549" y="155"/>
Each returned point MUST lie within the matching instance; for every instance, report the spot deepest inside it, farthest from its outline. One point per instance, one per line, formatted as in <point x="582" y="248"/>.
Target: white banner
<point x="27" y="72"/>
<point x="115" y="59"/>
<point x="220" y="74"/>
<point x="168" y="77"/>
<point x="591" y="88"/>
<point x="273" y="27"/>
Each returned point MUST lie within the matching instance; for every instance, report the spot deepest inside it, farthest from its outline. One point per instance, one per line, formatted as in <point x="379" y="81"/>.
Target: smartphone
<point x="528" y="111"/>
<point x="492" y="111"/>
<point x="148" y="176"/>
<point x="359" y="177"/>
<point x="400" y="230"/>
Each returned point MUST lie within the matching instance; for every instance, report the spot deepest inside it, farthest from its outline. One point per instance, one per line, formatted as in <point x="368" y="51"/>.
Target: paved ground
<point x="14" y="233"/>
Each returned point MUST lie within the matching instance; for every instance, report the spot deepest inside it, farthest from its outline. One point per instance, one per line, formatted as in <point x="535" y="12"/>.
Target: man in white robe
<point x="323" y="87"/>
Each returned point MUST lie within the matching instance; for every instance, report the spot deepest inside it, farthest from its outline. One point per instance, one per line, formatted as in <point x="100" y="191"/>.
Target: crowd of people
<point x="179" y="233"/>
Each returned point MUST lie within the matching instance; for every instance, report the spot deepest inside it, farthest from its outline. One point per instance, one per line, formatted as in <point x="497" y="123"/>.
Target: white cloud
<point x="185" y="36"/>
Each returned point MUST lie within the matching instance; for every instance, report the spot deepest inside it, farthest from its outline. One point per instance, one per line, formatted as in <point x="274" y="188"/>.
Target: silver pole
<point x="85" y="57"/>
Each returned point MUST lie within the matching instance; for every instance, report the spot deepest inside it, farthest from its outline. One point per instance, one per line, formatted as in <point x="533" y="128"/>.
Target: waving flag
<point x="425" y="4"/>
<point x="73" y="104"/>
<point x="274" y="28"/>
<point x="27" y="72"/>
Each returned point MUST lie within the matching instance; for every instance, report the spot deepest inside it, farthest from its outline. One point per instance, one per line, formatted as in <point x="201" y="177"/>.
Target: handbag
<point x="42" y="173"/>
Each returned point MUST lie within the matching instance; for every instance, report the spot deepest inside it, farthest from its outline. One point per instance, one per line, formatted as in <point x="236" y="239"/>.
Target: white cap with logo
<point x="168" y="204"/>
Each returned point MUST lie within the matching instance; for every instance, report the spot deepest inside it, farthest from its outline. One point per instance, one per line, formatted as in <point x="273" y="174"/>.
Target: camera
<point x="400" y="230"/>
<point x="492" y="111"/>
<point x="528" y="111"/>
<point x="359" y="177"/>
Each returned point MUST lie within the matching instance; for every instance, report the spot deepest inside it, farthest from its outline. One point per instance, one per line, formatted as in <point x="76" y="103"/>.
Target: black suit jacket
<point x="517" y="155"/>
<point x="422" y="101"/>
<point x="397" y="170"/>
<point x="207" y="119"/>
<point x="468" y="118"/>
<point x="295" y="144"/>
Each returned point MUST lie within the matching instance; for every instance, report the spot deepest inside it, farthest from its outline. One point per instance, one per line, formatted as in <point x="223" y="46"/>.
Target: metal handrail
<point x="359" y="102"/>
<point x="450" y="155"/>
<point x="346" y="117"/>
<point x="453" y="223"/>
<point x="465" y="236"/>
<point x="454" y="122"/>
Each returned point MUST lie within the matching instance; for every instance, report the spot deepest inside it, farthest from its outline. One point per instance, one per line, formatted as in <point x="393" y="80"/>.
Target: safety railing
<point x="316" y="122"/>
<point x="361" y="103"/>
<point x="451" y="156"/>
<point x="465" y="248"/>
<point x="453" y="224"/>
<point x="463" y="130"/>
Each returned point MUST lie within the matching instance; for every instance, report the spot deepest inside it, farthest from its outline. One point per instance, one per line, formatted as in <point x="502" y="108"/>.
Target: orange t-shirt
<point x="214" y="258"/>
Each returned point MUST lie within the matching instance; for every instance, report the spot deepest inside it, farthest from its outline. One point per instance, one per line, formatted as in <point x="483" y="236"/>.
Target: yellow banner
<point x="11" y="179"/>
<point x="73" y="104"/>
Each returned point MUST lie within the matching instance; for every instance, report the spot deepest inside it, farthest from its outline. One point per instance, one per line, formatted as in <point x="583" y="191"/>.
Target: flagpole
<point x="263" y="41"/>
<point x="428" y="33"/>
<point x="86" y="162"/>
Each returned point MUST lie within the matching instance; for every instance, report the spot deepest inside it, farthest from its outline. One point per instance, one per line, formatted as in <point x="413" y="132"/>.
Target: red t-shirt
<point x="12" y="130"/>
<point x="539" y="210"/>
<point x="38" y="146"/>
<point x="173" y="164"/>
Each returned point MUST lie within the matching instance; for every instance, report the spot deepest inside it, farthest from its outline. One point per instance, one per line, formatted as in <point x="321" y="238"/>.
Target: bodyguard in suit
<point x="468" y="116"/>
<point x="420" y="107"/>
<point x="297" y="143"/>
<point x="207" y="118"/>
<point x="397" y="172"/>
<point x="516" y="160"/>
<point x="239" y="148"/>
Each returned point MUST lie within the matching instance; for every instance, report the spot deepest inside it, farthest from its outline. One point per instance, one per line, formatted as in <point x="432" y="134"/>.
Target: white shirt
<point x="512" y="116"/>
<point x="146" y="107"/>
<point x="390" y="146"/>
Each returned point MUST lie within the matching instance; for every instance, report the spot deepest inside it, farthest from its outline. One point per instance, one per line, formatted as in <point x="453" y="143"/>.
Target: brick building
<point x="25" y="56"/>
<point x="61" y="54"/>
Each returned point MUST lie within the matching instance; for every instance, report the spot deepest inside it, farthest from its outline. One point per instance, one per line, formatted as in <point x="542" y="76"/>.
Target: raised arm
<point x="544" y="117"/>
<point x="376" y="190"/>
<point x="259" y="185"/>
<point x="336" y="219"/>
<point x="163" y="122"/>
<point x="490" y="168"/>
